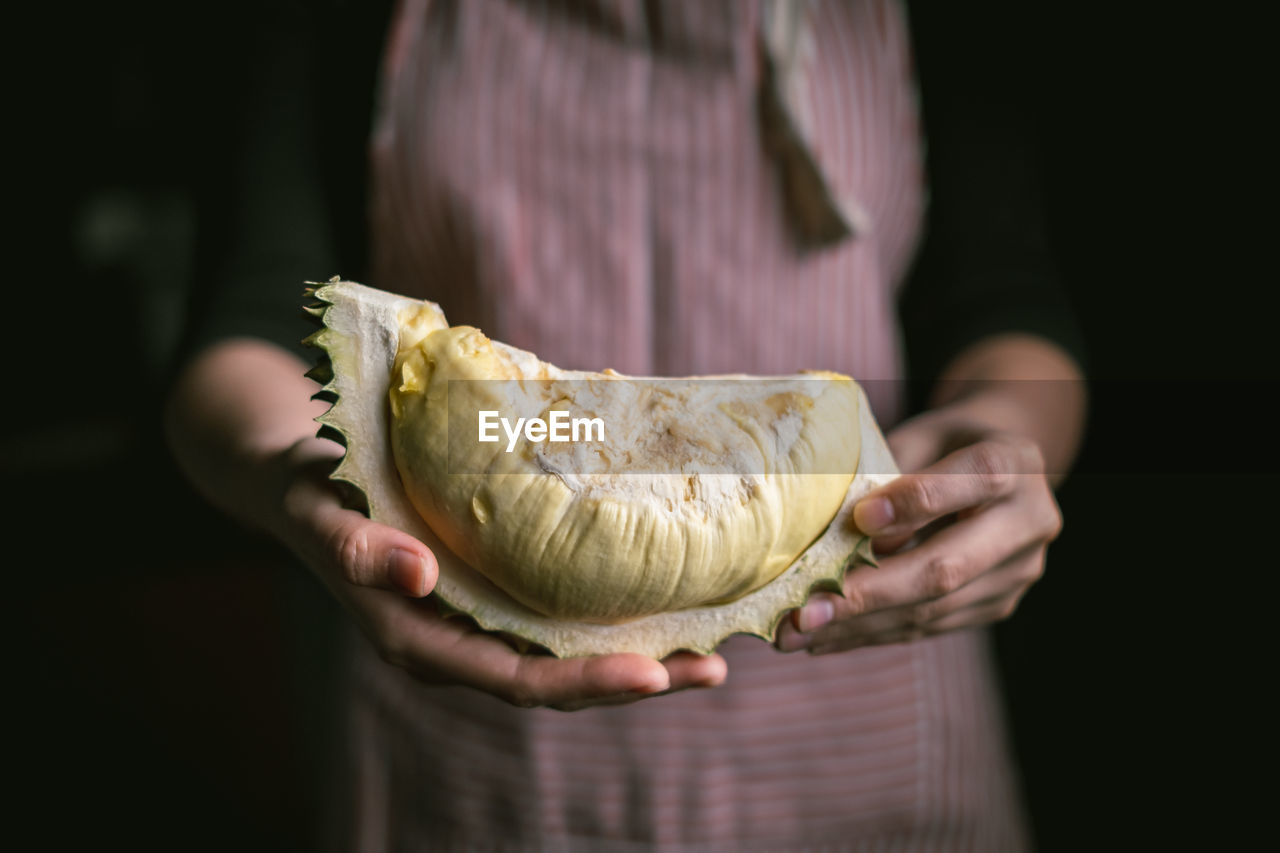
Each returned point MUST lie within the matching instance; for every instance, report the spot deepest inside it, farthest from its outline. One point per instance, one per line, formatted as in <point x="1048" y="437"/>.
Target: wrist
<point x="1017" y="384"/>
<point x="232" y="419"/>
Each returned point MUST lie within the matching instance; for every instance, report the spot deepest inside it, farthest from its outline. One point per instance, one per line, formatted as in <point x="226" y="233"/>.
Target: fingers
<point x="990" y="555"/>
<point x="369" y="554"/>
<point x="685" y="670"/>
<point x="438" y="650"/>
<point x="973" y="616"/>
<point x="533" y="681"/>
<point x="344" y="546"/>
<point x="991" y="597"/>
<point x="944" y="563"/>
<point x="978" y="474"/>
<point x="688" y="669"/>
<point x="915" y="588"/>
<point x="569" y="684"/>
<point x="452" y="651"/>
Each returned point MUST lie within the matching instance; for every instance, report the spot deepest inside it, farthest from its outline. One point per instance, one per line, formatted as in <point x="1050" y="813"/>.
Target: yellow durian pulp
<point x="704" y="491"/>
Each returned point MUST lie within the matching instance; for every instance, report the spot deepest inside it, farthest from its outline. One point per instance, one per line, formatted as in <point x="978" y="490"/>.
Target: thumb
<point x="373" y="555"/>
<point x="348" y="547"/>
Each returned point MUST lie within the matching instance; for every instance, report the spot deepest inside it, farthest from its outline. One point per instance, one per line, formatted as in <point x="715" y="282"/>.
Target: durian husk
<point x="360" y="337"/>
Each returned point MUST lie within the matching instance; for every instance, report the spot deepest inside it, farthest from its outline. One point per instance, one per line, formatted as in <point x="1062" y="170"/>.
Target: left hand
<point x="978" y="520"/>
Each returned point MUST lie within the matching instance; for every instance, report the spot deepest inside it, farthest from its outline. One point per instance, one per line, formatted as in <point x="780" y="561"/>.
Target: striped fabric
<point x="588" y="179"/>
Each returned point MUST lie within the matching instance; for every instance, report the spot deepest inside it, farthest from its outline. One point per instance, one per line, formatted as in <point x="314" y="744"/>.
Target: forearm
<point x="1021" y="384"/>
<point x="233" y="411"/>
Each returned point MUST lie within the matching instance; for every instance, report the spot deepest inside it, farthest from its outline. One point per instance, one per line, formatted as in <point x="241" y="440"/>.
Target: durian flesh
<point x="699" y="491"/>
<point x="696" y="519"/>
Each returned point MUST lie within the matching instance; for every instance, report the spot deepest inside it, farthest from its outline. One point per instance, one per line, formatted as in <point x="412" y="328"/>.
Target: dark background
<point x="155" y="668"/>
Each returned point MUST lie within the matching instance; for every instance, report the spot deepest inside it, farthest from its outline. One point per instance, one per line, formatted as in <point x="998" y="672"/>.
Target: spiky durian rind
<point x="360" y="337"/>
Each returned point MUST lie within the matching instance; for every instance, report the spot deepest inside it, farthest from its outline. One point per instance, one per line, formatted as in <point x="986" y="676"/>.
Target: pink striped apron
<point x="587" y="179"/>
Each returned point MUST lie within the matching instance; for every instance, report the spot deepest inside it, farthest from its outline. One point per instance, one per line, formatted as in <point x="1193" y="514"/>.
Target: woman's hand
<point x="240" y="423"/>
<point x="966" y="529"/>
<point x="983" y="516"/>
<point x="381" y="575"/>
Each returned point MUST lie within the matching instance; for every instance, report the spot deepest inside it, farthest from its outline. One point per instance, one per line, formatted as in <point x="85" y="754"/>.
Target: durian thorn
<point x="318" y="339"/>
<point x="332" y="433"/>
<point x="328" y="395"/>
<point x="322" y="372"/>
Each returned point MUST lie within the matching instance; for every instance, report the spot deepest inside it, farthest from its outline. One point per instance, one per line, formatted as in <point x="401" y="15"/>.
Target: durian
<point x="709" y="506"/>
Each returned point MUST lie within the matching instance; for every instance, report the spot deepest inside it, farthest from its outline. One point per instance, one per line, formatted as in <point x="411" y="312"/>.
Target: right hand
<point x="381" y="574"/>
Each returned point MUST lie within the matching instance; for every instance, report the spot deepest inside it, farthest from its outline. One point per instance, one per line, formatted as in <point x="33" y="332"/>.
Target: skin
<point x="240" y="424"/>
<point x="970" y="528"/>
<point x="967" y="528"/>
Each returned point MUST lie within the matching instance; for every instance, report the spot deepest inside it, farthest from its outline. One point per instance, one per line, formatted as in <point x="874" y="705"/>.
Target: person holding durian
<point x="671" y="190"/>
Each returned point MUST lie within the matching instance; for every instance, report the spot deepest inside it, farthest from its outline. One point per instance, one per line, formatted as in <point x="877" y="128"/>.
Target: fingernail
<point x="407" y="571"/>
<point x="873" y="514"/>
<point x="814" y="615"/>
